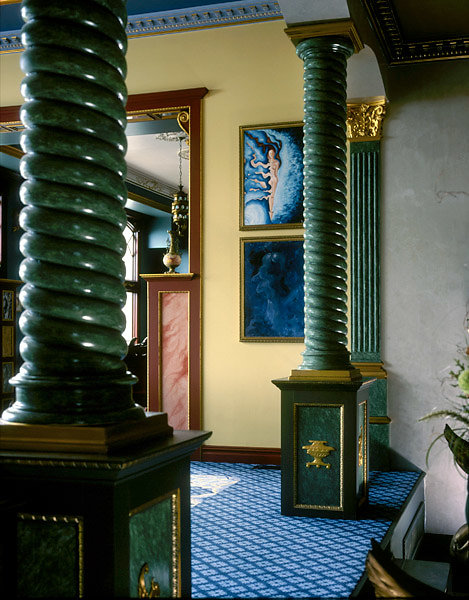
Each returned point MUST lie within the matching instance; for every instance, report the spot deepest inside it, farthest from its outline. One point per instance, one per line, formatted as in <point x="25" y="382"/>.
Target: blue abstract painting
<point x="273" y="289"/>
<point x="272" y="176"/>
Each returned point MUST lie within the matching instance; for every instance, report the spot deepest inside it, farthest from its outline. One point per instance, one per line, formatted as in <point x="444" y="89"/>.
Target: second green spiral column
<point x="323" y="403"/>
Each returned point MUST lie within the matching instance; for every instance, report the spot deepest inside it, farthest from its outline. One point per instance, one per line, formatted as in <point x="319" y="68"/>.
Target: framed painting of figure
<point x="272" y="289"/>
<point x="271" y="176"/>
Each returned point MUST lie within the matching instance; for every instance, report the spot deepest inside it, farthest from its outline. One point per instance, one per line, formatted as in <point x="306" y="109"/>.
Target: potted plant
<point x="456" y="386"/>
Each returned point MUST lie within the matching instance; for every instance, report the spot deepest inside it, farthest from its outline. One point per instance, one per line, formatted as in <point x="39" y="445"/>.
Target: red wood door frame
<point x="190" y="100"/>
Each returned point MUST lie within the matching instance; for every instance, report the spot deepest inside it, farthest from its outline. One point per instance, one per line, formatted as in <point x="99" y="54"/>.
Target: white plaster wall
<point x="425" y="280"/>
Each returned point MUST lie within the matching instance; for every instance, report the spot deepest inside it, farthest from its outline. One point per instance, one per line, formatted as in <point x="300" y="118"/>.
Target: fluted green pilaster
<point x="74" y="197"/>
<point x="364" y="238"/>
<point x="325" y="223"/>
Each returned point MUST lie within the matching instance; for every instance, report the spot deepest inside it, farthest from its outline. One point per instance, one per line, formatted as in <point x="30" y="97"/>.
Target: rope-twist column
<point x="74" y="196"/>
<point x="325" y="218"/>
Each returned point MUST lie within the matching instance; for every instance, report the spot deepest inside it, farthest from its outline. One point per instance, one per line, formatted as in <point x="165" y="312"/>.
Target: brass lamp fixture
<point x="179" y="211"/>
<point x="180" y="204"/>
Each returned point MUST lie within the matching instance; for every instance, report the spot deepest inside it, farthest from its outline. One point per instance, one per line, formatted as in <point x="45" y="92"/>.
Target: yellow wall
<point x="253" y="77"/>
<point x="10" y="79"/>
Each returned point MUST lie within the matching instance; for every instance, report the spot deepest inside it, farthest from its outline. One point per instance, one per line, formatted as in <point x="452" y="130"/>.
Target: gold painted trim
<point x="339" y="27"/>
<point x="65" y="519"/>
<point x="360" y="448"/>
<point x="148" y="202"/>
<point x="380" y="420"/>
<point x="157" y="111"/>
<point x="176" y="536"/>
<point x="70" y="464"/>
<point x="366" y="441"/>
<point x="160" y="353"/>
<point x="148" y="346"/>
<point x="12" y="151"/>
<point x="167" y="275"/>
<point x="183" y="119"/>
<point x="295" y="457"/>
<point x="160" y="348"/>
<point x="326" y="376"/>
<point x="371" y="369"/>
<point x="365" y="119"/>
<point x="175" y="496"/>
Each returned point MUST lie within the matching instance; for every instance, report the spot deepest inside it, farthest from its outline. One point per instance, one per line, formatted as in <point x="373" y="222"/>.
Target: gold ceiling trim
<point x="398" y="49"/>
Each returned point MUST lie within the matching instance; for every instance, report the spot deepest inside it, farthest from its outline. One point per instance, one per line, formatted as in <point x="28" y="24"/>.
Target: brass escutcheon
<point x="153" y="592"/>
<point x="318" y="449"/>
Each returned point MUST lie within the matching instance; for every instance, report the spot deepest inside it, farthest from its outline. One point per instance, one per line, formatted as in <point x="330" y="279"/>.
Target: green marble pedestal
<point x="94" y="525"/>
<point x="324" y="448"/>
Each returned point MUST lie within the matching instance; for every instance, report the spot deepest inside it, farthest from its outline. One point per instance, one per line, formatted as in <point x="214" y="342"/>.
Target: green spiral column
<point x="73" y="216"/>
<point x="325" y="212"/>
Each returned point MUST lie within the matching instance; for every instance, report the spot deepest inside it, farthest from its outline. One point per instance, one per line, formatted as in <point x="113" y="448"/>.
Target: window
<point x="131" y="281"/>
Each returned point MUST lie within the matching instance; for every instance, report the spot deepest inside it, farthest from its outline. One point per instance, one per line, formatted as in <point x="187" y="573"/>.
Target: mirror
<point x="152" y="158"/>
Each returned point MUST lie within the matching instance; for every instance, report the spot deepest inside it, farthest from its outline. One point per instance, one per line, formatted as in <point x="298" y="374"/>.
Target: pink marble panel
<point x="174" y="357"/>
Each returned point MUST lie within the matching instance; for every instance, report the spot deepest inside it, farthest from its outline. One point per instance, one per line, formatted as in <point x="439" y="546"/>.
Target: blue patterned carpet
<point x="242" y="547"/>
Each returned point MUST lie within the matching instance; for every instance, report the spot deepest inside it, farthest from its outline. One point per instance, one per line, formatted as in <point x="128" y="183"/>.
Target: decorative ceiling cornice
<point x="10" y="41"/>
<point x="398" y="49"/>
<point x="149" y="182"/>
<point x="175" y="21"/>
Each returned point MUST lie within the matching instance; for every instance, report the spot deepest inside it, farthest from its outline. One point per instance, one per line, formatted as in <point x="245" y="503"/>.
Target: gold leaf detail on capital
<point x="365" y="121"/>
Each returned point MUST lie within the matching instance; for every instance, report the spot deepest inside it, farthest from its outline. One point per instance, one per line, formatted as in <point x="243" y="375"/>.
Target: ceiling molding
<point x="178" y="20"/>
<point x="149" y="182"/>
<point x="190" y="19"/>
<point x="400" y="50"/>
<point x="10" y="41"/>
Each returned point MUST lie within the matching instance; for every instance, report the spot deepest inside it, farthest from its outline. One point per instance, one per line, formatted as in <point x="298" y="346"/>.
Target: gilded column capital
<point x="365" y="119"/>
<point x="336" y="28"/>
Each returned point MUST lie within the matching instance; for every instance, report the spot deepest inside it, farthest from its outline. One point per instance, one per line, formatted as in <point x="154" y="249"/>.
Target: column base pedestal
<point x="98" y="526"/>
<point x="324" y="447"/>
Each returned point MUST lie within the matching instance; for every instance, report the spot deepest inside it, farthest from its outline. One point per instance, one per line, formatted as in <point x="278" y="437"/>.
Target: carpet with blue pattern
<point x="242" y="547"/>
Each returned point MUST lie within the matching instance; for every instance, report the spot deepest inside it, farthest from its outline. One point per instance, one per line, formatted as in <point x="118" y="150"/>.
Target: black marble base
<point x="87" y="524"/>
<point x="324" y="448"/>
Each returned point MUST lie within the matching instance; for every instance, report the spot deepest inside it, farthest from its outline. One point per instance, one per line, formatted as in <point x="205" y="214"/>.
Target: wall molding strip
<point x="241" y="454"/>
